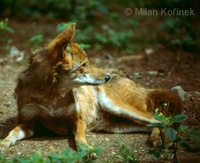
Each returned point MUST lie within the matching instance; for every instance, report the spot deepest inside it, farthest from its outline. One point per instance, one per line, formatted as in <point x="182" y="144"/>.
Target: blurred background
<point x="101" y="25"/>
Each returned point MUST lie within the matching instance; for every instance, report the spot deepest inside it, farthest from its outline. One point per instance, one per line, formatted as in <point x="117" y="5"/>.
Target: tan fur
<point x="67" y="94"/>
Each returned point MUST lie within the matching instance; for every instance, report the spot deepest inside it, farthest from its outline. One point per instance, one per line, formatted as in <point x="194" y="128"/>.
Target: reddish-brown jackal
<point x="67" y="94"/>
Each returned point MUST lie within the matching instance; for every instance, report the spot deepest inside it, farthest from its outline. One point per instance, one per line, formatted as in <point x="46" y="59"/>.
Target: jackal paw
<point x="166" y="142"/>
<point x="154" y="140"/>
<point x="89" y="149"/>
<point x="5" y="144"/>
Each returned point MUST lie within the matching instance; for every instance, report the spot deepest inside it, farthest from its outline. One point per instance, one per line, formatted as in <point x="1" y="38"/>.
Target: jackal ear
<point x="63" y="38"/>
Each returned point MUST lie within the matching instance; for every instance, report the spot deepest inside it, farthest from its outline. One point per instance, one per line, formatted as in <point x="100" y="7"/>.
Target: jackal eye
<point x="67" y="46"/>
<point x="84" y="65"/>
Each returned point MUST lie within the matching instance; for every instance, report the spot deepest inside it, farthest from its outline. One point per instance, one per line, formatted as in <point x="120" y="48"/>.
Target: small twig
<point x="174" y="153"/>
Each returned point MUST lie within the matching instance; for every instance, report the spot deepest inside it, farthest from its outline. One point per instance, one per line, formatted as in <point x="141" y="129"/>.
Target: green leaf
<point x="55" y="156"/>
<point x="77" y="156"/>
<point x="195" y="134"/>
<point x="155" y="153"/>
<point x="10" y="30"/>
<point x="62" y="26"/>
<point x="96" y="150"/>
<point x="162" y="119"/>
<point x="178" y="118"/>
<point x="3" y="158"/>
<point x="36" y="38"/>
<point x="84" y="46"/>
<point x="84" y="147"/>
<point x="81" y="154"/>
<point x="37" y="158"/>
<point x="159" y="117"/>
<point x="184" y="143"/>
<point x="183" y="129"/>
<point x="102" y="9"/>
<point x="159" y="125"/>
<point x="22" y="160"/>
<point x="66" y="152"/>
<point x="170" y="134"/>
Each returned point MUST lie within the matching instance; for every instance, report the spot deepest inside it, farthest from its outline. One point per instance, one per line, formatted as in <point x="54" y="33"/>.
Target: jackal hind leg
<point x="158" y="137"/>
<point x="155" y="139"/>
<point x="116" y="105"/>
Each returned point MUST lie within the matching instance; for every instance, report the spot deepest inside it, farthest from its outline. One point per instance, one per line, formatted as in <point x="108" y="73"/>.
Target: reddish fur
<point x="47" y="92"/>
<point x="157" y="98"/>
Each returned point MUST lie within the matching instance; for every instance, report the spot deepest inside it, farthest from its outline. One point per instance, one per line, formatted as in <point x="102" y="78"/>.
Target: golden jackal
<point x="67" y="94"/>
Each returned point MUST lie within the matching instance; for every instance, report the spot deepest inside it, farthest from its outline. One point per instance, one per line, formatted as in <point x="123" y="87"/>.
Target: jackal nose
<point x="107" y="77"/>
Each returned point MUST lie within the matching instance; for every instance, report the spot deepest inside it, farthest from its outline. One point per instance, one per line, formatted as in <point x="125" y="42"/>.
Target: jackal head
<point x="71" y="63"/>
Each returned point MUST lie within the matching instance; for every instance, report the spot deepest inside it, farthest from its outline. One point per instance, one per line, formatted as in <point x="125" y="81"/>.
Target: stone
<point x="179" y="91"/>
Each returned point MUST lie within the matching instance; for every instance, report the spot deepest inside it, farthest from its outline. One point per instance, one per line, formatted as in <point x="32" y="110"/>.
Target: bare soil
<point x="160" y="69"/>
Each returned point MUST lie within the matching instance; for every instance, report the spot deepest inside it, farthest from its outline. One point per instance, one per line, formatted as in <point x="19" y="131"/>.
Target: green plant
<point x="181" y="34"/>
<point x="67" y="156"/>
<point x="107" y="37"/>
<point x="180" y="137"/>
<point x="5" y="41"/>
<point x="36" y="40"/>
<point x="4" y="26"/>
<point x="126" y="154"/>
<point x="53" y="9"/>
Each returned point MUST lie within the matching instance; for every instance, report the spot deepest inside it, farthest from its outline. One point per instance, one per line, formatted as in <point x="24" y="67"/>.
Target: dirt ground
<point x="153" y="67"/>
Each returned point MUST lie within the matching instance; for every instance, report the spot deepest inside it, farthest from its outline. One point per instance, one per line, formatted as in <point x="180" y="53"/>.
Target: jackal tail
<point x="167" y="102"/>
